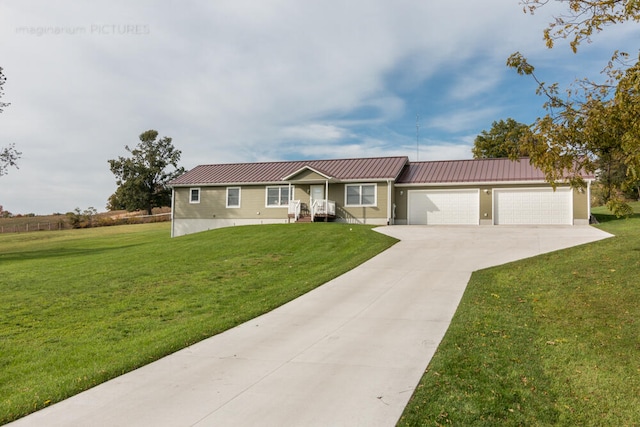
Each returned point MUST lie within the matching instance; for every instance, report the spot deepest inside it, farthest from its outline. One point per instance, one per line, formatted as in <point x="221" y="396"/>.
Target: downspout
<point x="390" y="219"/>
<point x="326" y="200"/>
<point x="173" y="208"/>
<point x="289" y="206"/>
<point x="589" y="201"/>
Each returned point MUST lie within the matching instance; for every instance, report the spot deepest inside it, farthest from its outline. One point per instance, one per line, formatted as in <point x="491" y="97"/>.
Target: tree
<point x="504" y="139"/>
<point x="594" y="126"/>
<point x="8" y="155"/>
<point x="142" y="177"/>
<point x="82" y="219"/>
<point x="585" y="17"/>
<point x="2" y="80"/>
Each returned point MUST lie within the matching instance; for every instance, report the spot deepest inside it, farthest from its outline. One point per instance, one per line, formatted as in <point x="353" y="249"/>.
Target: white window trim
<point x="375" y="195"/>
<point x="280" y="187"/>
<point x="199" y="195"/>
<point x="239" y="198"/>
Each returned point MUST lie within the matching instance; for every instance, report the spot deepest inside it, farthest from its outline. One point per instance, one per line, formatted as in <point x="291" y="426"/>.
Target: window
<point x="194" y="195"/>
<point x="277" y="196"/>
<point x="233" y="197"/>
<point x="360" y="195"/>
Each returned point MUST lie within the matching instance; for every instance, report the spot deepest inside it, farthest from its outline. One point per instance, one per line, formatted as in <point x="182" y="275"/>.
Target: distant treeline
<point x="78" y="219"/>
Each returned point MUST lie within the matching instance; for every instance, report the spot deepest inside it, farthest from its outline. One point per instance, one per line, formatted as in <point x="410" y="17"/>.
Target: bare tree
<point x="8" y="155"/>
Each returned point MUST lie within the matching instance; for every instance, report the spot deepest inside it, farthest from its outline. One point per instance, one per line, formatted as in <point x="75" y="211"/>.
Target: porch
<point x="320" y="210"/>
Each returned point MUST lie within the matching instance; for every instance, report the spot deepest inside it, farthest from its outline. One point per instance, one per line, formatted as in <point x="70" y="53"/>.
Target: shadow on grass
<point x="57" y="253"/>
<point x="611" y="217"/>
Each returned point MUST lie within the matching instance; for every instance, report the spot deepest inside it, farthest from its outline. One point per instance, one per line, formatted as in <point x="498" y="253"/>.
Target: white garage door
<point x="444" y="207"/>
<point x="533" y="206"/>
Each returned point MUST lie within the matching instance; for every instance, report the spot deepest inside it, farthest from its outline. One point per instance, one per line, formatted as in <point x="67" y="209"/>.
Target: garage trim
<point x="537" y="206"/>
<point x="464" y="205"/>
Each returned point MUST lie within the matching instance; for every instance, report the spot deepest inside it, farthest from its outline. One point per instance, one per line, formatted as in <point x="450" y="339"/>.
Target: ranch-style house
<point x="378" y="191"/>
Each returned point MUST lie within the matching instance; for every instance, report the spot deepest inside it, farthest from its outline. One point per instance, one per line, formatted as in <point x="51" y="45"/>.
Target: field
<point x="55" y="222"/>
<point x="551" y="340"/>
<point x="79" y="307"/>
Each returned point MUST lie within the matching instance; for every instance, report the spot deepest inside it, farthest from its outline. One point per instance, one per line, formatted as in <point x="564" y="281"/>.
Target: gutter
<point x="474" y="183"/>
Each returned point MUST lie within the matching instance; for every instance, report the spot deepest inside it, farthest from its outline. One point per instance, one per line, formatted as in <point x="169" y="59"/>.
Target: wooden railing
<point x="324" y="208"/>
<point x="294" y="209"/>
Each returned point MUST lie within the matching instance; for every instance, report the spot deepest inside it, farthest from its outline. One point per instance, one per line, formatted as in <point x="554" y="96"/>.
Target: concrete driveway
<point x="349" y="353"/>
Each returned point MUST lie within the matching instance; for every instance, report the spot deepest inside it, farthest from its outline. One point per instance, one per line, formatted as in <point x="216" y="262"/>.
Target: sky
<point x="262" y="80"/>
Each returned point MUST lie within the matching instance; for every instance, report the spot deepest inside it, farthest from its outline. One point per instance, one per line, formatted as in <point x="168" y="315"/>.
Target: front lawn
<point x="551" y="340"/>
<point x="79" y="307"/>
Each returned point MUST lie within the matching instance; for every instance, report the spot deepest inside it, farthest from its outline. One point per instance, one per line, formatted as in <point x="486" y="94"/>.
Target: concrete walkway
<point x="349" y="353"/>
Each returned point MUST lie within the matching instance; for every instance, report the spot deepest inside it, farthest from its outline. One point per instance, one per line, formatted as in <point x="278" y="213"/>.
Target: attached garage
<point x="451" y="207"/>
<point x="531" y="206"/>
<point x="486" y="192"/>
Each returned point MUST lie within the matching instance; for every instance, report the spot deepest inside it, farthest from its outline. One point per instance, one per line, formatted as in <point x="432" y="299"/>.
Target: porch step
<point x="304" y="219"/>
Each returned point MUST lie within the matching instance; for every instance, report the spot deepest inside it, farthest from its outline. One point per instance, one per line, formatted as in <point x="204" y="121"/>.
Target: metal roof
<point x="472" y="171"/>
<point x="377" y="168"/>
<point x="374" y="169"/>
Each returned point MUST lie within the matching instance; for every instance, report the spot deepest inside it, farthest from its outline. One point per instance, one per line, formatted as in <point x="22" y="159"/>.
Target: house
<point x="378" y="191"/>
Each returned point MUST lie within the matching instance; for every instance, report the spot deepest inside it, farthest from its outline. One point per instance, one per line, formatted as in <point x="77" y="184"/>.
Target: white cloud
<point x="240" y="80"/>
<point x="475" y="82"/>
<point x="463" y="119"/>
<point x="444" y="151"/>
<point x="314" y="132"/>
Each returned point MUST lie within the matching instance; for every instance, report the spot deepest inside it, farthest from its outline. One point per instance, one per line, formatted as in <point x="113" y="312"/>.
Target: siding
<point x="213" y="204"/>
<point x="253" y="203"/>
<point x="361" y="212"/>
<point x="308" y="175"/>
<point x="581" y="205"/>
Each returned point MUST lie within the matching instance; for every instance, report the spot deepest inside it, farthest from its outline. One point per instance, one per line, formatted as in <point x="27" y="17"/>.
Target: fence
<point x="35" y="226"/>
<point x="64" y="224"/>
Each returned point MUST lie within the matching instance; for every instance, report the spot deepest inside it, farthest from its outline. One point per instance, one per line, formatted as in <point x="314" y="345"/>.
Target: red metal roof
<point x="378" y="168"/>
<point x="471" y="171"/>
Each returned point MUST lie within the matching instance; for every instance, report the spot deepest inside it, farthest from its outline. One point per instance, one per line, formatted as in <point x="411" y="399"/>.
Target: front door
<point x="317" y="193"/>
<point x="317" y="196"/>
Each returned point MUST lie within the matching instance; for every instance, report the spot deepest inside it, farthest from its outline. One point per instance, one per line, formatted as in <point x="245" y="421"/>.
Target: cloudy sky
<point x="260" y="80"/>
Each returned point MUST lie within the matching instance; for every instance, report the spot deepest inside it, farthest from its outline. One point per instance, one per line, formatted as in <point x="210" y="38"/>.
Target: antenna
<point x="417" y="137"/>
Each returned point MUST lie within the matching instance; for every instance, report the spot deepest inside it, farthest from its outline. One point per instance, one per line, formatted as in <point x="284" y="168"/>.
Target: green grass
<point x="552" y="340"/>
<point x="79" y="307"/>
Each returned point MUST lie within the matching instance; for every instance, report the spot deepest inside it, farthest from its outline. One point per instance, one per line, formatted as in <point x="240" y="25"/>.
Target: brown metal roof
<point x="471" y="171"/>
<point x="378" y="168"/>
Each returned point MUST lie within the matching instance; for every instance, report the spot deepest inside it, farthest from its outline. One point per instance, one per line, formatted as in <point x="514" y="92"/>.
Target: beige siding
<point x="308" y="175"/>
<point x="213" y="204"/>
<point x="253" y="203"/>
<point x="401" y="205"/>
<point x="210" y="199"/>
<point x="581" y="203"/>
<point x="301" y="192"/>
<point x="360" y="213"/>
<point x="486" y="204"/>
<point x="393" y="203"/>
